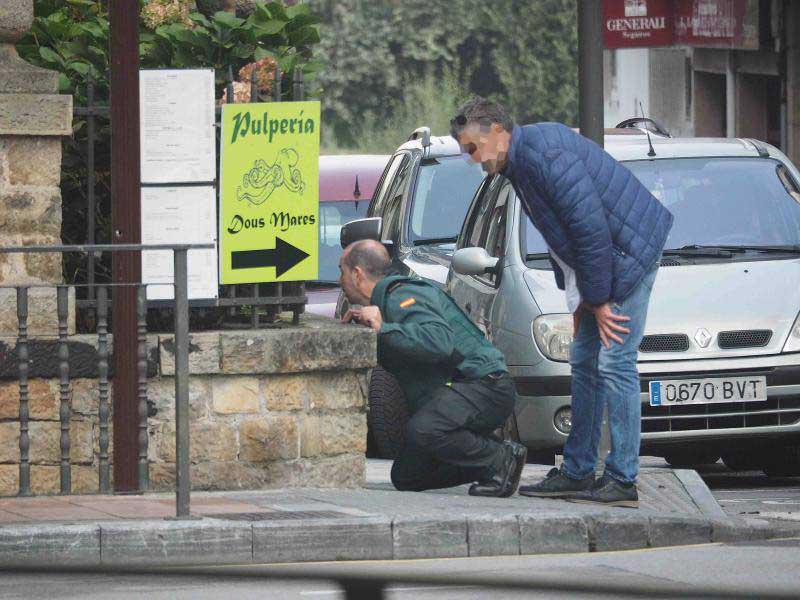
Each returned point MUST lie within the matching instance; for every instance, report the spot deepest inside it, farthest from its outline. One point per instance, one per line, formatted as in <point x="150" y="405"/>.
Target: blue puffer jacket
<point x="590" y="209"/>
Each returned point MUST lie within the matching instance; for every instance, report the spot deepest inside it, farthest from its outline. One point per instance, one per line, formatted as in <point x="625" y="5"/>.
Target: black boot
<point x="505" y="480"/>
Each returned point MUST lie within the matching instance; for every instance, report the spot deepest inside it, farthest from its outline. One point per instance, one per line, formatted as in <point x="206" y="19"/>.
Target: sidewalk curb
<point x="213" y="541"/>
<point x="699" y="493"/>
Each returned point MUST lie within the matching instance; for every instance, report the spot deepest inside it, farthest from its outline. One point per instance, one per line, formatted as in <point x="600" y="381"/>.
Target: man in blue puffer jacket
<point x="605" y="232"/>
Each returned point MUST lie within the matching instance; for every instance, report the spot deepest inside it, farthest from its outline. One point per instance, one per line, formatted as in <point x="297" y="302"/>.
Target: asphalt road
<point x="761" y="567"/>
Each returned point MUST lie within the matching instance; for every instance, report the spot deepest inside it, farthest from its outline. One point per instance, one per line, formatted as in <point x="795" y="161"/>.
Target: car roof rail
<point x="649" y="124"/>
<point x="423" y="134"/>
<point x="760" y="147"/>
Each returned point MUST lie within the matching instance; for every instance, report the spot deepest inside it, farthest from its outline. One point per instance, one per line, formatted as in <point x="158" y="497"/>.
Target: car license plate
<point x="707" y="391"/>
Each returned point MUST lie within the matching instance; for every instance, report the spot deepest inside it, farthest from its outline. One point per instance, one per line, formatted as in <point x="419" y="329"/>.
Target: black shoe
<point x="504" y="483"/>
<point x="609" y="492"/>
<point x="557" y="485"/>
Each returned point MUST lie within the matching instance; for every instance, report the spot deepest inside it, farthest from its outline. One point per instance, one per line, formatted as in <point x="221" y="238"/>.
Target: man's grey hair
<point x="370" y="255"/>
<point x="482" y="111"/>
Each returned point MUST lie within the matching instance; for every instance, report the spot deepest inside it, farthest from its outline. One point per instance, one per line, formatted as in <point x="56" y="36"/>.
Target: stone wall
<point x="33" y="119"/>
<point x="282" y="407"/>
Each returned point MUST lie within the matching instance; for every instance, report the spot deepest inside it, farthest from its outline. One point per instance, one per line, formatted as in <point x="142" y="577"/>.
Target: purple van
<point x="346" y="185"/>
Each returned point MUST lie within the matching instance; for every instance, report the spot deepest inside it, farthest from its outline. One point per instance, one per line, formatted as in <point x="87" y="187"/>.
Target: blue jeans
<point x="609" y="376"/>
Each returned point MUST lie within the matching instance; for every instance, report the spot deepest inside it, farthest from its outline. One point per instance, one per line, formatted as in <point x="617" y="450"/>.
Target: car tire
<point x="509" y="431"/>
<point x="541" y="457"/>
<point x="747" y="459"/>
<point x="783" y="460"/>
<point x="689" y="458"/>
<point x="388" y="414"/>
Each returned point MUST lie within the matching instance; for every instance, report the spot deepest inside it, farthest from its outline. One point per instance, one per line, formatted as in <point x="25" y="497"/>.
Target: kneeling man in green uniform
<point x="456" y="383"/>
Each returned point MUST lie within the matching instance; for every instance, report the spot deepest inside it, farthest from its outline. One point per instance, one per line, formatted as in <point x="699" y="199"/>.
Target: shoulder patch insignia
<point x="408" y="302"/>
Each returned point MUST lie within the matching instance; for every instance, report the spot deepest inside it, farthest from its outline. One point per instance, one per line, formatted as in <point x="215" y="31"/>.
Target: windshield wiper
<point x="536" y="256"/>
<point x="778" y="249"/>
<point x="431" y="241"/>
<point x="695" y="250"/>
<point x="323" y="282"/>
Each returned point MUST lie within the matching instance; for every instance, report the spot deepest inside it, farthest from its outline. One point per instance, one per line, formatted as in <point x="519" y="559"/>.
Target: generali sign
<point x="645" y="23"/>
<point x="636" y="23"/>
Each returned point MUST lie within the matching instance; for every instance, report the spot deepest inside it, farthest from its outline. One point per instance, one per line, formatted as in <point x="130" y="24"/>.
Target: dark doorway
<point x="758" y="114"/>
<point x="709" y="105"/>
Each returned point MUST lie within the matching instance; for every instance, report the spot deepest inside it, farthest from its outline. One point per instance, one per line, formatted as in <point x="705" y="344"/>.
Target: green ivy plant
<point x="72" y="38"/>
<point x="285" y="34"/>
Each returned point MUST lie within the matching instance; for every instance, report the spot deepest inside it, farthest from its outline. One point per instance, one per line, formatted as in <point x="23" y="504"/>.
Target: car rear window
<point x="332" y="216"/>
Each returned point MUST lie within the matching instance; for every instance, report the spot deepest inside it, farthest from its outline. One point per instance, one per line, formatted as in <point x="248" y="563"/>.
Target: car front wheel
<point x="743" y="459"/>
<point x="690" y="457"/>
<point x="388" y="414"/>
<point x="783" y="460"/>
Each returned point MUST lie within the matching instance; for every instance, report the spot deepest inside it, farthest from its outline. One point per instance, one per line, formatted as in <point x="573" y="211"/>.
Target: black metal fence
<point x="100" y="292"/>
<point x="238" y="305"/>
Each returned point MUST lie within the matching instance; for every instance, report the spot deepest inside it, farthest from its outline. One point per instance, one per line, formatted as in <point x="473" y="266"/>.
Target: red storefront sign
<point x="637" y="23"/>
<point x="647" y="23"/>
<point x="720" y="23"/>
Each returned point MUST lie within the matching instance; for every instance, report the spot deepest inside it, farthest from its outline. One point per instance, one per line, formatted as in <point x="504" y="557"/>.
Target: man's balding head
<point x="370" y="255"/>
<point x="362" y="265"/>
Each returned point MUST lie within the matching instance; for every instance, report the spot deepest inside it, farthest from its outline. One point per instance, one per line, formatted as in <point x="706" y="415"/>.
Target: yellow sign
<point x="269" y="196"/>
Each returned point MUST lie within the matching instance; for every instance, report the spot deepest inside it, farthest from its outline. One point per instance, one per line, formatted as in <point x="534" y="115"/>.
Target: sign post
<point x="126" y="225"/>
<point x="590" y="121"/>
<point x="269" y="197"/>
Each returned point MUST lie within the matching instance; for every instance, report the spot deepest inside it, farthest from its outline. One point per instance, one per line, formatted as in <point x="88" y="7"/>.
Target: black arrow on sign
<point x="283" y="257"/>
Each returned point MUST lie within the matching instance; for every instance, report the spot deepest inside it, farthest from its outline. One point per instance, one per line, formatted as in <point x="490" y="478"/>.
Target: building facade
<point x="742" y="85"/>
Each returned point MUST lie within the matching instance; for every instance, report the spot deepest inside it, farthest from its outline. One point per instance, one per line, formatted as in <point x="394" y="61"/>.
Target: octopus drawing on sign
<point x="263" y="179"/>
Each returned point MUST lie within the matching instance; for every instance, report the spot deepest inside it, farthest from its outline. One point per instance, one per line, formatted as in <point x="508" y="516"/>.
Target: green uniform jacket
<point x="426" y="340"/>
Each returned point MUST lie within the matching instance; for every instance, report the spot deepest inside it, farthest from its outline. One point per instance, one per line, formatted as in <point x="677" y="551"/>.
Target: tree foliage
<point x="522" y="53"/>
<point x="72" y="38"/>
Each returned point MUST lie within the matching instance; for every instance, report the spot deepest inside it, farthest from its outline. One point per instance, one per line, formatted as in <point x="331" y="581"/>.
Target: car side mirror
<point x="361" y="229"/>
<point x="474" y="261"/>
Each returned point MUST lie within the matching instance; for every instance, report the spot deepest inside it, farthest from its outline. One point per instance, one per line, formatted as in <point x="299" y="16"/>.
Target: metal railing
<point x="181" y="332"/>
<point x="240" y="299"/>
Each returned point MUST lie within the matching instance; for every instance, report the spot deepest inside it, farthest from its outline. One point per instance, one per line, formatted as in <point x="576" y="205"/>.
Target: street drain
<point x="287" y="515"/>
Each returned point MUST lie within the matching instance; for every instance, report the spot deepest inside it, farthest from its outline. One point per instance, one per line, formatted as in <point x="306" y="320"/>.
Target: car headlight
<point x="793" y="343"/>
<point x="553" y="335"/>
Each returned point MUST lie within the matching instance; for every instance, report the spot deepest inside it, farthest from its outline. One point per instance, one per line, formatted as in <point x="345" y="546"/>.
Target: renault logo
<point x="703" y="338"/>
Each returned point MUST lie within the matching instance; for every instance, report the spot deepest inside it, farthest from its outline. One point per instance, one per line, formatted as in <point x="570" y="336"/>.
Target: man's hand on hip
<point x="608" y="324"/>
<point x="366" y="315"/>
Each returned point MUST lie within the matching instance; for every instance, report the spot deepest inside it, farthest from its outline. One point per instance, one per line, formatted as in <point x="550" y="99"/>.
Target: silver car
<point x="720" y="361"/>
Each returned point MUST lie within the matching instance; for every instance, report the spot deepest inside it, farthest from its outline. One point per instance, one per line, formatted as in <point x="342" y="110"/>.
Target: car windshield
<point x="332" y="215"/>
<point x="717" y="202"/>
<point x="444" y="189"/>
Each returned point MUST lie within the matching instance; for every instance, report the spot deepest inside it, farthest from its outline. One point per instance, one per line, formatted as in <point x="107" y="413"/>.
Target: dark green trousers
<point x="450" y="441"/>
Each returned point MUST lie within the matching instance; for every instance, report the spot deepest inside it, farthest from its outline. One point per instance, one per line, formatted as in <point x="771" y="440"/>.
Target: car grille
<point x="670" y="342"/>
<point x="752" y="338"/>
<point x="728" y="415"/>
<point x="670" y="262"/>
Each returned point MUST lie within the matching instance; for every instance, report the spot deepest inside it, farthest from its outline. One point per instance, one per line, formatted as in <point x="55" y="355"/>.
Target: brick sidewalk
<point x="108" y="508"/>
<point x="371" y="523"/>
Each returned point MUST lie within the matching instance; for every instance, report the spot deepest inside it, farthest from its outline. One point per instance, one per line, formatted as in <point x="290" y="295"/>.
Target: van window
<point x="381" y="192"/>
<point x="444" y="189"/>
